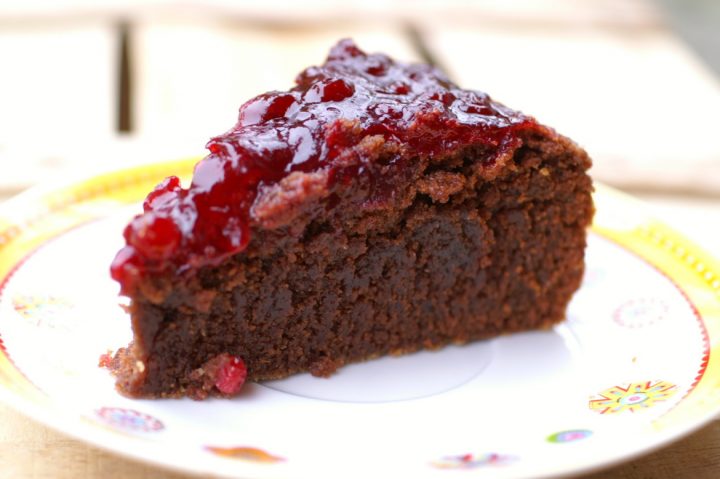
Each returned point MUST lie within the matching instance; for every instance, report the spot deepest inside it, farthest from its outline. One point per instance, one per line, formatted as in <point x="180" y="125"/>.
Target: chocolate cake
<point x="375" y="208"/>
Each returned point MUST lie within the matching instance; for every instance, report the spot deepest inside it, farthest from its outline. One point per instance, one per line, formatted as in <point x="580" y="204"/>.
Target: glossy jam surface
<point x="331" y="109"/>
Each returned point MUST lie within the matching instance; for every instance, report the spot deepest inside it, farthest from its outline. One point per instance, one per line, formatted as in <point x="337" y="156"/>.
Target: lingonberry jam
<point x="231" y="374"/>
<point x="304" y="130"/>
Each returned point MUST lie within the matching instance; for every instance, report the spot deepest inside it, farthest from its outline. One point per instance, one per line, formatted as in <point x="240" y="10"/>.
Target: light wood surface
<point x="607" y="73"/>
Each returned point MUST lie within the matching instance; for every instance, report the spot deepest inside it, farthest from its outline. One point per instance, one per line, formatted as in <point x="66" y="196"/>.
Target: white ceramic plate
<point x="630" y="370"/>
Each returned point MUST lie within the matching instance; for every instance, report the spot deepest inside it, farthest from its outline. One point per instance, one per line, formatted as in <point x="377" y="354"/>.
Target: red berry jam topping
<point x="332" y="108"/>
<point x="230" y="375"/>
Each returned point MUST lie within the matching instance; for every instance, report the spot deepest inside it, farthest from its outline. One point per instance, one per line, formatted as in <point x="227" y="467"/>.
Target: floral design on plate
<point x="633" y="397"/>
<point x="245" y="453"/>
<point x="44" y="311"/>
<point x="129" y="419"/>
<point x="471" y="461"/>
<point x="640" y="312"/>
<point x="571" y="435"/>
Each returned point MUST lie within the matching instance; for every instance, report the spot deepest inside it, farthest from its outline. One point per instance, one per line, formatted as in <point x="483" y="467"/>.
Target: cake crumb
<point x="105" y="359"/>
<point x="441" y="185"/>
<point x="140" y="366"/>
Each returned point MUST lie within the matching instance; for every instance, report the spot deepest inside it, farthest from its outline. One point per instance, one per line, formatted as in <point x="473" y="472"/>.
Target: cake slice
<point x="375" y="208"/>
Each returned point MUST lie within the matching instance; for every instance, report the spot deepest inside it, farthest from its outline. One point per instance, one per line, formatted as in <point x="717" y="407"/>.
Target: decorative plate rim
<point x="23" y="228"/>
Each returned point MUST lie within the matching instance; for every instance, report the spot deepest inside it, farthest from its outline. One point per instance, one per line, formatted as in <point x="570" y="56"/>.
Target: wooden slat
<point x="56" y="79"/>
<point x="57" y="87"/>
<point x="192" y="76"/>
<point x="640" y="102"/>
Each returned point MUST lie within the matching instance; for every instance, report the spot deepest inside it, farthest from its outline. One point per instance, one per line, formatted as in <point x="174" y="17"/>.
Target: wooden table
<point x="597" y="58"/>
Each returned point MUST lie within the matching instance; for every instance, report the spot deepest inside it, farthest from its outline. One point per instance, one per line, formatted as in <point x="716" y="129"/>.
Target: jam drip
<point x="330" y="110"/>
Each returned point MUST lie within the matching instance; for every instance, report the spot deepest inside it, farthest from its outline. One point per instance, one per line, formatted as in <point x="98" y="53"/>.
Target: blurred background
<point x="90" y="85"/>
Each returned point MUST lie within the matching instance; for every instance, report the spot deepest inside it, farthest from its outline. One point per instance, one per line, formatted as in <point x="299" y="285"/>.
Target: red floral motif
<point x="472" y="461"/>
<point x="633" y="397"/>
<point x="640" y="312"/>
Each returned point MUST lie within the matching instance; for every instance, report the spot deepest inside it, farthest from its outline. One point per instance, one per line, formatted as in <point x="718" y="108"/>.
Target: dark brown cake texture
<point x="375" y="208"/>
